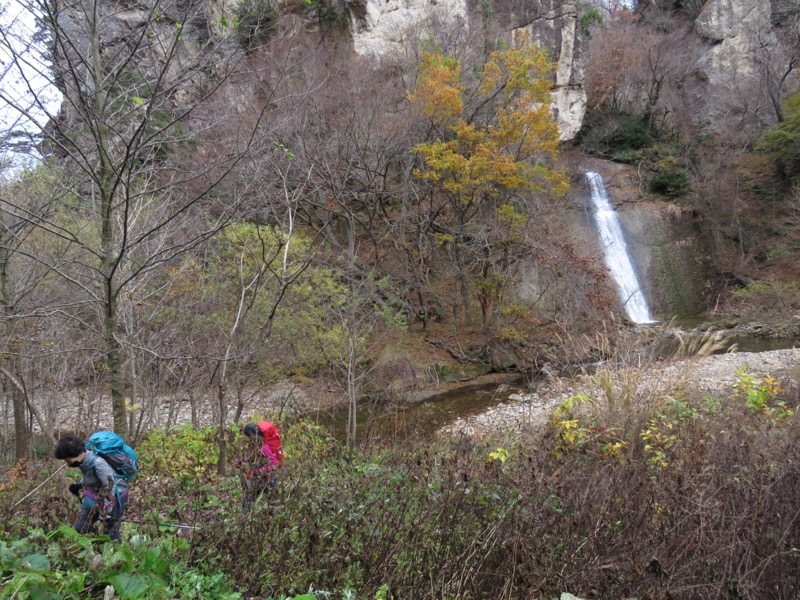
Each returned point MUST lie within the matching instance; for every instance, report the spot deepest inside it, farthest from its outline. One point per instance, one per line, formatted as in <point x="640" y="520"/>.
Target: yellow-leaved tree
<point x="493" y="144"/>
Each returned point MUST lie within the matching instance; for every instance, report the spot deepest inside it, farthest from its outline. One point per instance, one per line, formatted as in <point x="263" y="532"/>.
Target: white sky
<point x="24" y="80"/>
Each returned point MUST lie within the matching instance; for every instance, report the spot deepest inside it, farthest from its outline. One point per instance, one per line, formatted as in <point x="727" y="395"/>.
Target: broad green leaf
<point x="35" y="562"/>
<point x="130" y="586"/>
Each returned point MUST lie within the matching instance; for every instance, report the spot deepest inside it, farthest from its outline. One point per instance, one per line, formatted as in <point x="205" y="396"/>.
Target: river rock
<point x="713" y="374"/>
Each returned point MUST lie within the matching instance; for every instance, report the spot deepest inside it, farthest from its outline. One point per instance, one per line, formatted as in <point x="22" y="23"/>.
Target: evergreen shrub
<point x="613" y="134"/>
<point x="674" y="183"/>
<point x="255" y="20"/>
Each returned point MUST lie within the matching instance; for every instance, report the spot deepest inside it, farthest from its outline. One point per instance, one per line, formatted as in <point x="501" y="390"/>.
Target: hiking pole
<point x="36" y="489"/>
<point x="159" y="524"/>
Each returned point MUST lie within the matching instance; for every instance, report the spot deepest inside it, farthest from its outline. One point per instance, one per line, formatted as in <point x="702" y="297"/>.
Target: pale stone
<point x="724" y="19"/>
<point x="731" y="69"/>
<point x="570" y="106"/>
<point x="385" y="24"/>
<point x="569" y="97"/>
<point x="133" y="18"/>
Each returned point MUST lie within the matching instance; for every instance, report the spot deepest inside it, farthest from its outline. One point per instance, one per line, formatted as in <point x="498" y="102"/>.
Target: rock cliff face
<point x="382" y="28"/>
<point x="736" y="76"/>
<point x="379" y="28"/>
<point x="735" y="81"/>
<point x="739" y="63"/>
<point x="556" y="27"/>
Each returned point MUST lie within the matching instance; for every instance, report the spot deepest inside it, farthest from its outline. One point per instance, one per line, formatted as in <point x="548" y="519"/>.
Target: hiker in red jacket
<point x="263" y="458"/>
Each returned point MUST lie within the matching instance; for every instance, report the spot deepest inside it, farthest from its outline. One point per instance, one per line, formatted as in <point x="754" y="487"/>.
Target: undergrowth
<point x="630" y="492"/>
<point x="65" y="564"/>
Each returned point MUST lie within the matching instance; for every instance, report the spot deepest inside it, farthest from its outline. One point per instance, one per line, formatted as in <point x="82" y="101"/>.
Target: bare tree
<point x="136" y="95"/>
<point x="25" y="303"/>
<point x="779" y="59"/>
<point x="264" y="272"/>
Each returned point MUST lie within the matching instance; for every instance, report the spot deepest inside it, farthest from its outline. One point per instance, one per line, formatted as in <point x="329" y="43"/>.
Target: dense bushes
<point x="625" y="497"/>
<point x="673" y="183"/>
<point x="255" y="19"/>
<point x="628" y="139"/>
<point x="767" y="295"/>
<point x="628" y="493"/>
<point x="614" y="135"/>
<point x="430" y="523"/>
<point x="781" y="142"/>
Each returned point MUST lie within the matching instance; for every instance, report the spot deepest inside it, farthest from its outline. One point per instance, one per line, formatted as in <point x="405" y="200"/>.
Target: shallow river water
<point x="423" y="418"/>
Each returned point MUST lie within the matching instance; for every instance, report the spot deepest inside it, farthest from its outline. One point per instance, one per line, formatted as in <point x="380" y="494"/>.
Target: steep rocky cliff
<point x="381" y="28"/>
<point x="740" y="65"/>
<point x="743" y="66"/>
<point x="378" y="28"/>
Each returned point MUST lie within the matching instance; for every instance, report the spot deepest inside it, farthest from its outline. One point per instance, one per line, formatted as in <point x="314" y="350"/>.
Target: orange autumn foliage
<point x="514" y="148"/>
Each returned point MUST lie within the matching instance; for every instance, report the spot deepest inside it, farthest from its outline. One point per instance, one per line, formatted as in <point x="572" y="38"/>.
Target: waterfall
<point x="615" y="252"/>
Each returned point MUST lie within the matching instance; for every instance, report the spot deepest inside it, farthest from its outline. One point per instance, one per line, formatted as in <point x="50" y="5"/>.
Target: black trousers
<point x="253" y="490"/>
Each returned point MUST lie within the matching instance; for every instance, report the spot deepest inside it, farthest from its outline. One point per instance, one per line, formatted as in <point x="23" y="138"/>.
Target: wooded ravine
<point x="269" y="207"/>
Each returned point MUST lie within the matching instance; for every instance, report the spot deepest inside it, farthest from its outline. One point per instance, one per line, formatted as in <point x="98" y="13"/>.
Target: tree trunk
<point x="22" y="434"/>
<point x="105" y="183"/>
<point x="223" y="414"/>
<point x="222" y="392"/>
<point x="31" y="407"/>
<point x="463" y="283"/>
<point x="21" y="430"/>
<point x="352" y="405"/>
<point x="114" y="361"/>
<point x="134" y="431"/>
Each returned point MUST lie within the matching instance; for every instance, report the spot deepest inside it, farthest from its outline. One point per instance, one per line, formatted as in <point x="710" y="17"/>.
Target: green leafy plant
<point x="769" y="294"/>
<point x="65" y="564"/>
<point x="761" y="394"/>
<point x="781" y="142"/>
<point x="500" y="455"/>
<point x="631" y="133"/>
<point x="577" y="428"/>
<point x="184" y="453"/>
<point x="590" y="17"/>
<point x="659" y="436"/>
<point x="617" y="135"/>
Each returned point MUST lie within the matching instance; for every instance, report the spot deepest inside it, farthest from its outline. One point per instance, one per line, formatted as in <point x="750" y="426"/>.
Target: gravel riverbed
<point x="520" y="410"/>
<point x="711" y="374"/>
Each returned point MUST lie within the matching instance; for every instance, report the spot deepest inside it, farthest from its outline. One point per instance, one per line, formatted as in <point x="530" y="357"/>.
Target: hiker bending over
<point x="261" y="461"/>
<point x="105" y="495"/>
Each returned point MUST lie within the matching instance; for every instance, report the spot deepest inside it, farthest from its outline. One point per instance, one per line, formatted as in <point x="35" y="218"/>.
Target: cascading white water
<point x="615" y="251"/>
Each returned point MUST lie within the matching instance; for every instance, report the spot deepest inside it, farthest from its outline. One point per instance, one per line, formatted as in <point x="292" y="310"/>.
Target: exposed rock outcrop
<point x="558" y="30"/>
<point x="383" y="27"/>
<point x="740" y="62"/>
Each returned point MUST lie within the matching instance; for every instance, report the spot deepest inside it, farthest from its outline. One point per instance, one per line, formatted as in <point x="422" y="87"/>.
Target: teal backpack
<point x="121" y="457"/>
